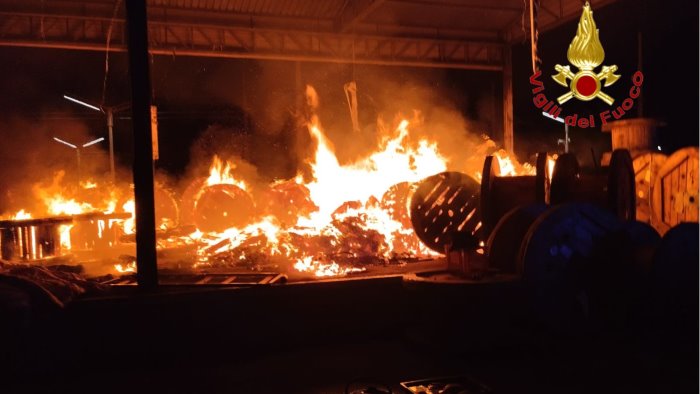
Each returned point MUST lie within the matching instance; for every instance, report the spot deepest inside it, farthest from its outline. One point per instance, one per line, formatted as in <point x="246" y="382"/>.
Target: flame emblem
<point x="586" y="53"/>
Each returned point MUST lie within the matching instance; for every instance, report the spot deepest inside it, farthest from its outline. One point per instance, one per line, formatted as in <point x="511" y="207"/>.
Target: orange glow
<point x="130" y="224"/>
<point x="348" y="208"/>
<point x="126" y="268"/>
<point x="22" y="215"/>
<point x="221" y="172"/>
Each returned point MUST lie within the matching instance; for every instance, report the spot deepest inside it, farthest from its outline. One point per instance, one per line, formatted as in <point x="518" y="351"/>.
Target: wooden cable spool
<point x="167" y="208"/>
<point x="445" y="208"/>
<point x="500" y="194"/>
<point x="188" y="200"/>
<point x="611" y="187"/>
<point x="395" y="202"/>
<point x="646" y="169"/>
<point x="675" y="191"/>
<point x="504" y="242"/>
<point x="223" y="206"/>
<point x="287" y="201"/>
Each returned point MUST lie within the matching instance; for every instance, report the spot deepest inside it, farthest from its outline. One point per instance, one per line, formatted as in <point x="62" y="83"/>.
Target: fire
<point x="510" y="167"/>
<point x="88" y="184"/>
<point x="344" y="195"/>
<point x="59" y="205"/>
<point x="352" y="215"/>
<point x="22" y="215"/>
<point x="126" y="268"/>
<point x="307" y="264"/>
<point x="130" y="224"/>
<point x="551" y="160"/>
<point x="221" y="172"/>
<point x="349" y="213"/>
<point x="335" y="184"/>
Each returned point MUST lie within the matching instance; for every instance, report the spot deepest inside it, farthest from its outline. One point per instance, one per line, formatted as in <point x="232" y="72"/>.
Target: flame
<point x="21" y="214"/>
<point x="334" y="184"/>
<point x="551" y="161"/>
<point x="510" y="166"/>
<point x="64" y="234"/>
<point x="221" y="172"/>
<point x="59" y="205"/>
<point x="130" y="267"/>
<point x="345" y="196"/>
<point x="307" y="264"/>
<point x="585" y="51"/>
<point x="351" y="214"/>
<point x="130" y="224"/>
<point x="88" y="184"/>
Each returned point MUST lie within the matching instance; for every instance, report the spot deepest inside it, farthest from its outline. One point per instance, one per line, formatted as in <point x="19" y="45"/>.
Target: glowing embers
<point x="345" y="216"/>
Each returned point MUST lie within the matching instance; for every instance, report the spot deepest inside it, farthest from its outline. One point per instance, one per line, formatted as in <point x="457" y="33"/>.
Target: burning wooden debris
<point x="340" y="219"/>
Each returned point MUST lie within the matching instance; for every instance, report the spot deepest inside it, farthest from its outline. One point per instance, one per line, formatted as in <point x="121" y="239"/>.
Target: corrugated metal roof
<point x="492" y="20"/>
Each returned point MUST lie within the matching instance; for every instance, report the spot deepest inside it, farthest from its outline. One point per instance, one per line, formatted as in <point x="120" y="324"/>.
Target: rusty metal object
<point x="443" y="205"/>
<point x="610" y="187"/>
<point x="504" y="242"/>
<point x="500" y="194"/>
<point x="675" y="192"/>
<point x="223" y="206"/>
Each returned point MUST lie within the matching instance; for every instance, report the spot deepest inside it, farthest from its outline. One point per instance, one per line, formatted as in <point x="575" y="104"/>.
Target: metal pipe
<point x="137" y="43"/>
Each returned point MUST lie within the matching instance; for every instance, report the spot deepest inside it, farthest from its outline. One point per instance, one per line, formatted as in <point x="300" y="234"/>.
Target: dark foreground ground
<point x="319" y="337"/>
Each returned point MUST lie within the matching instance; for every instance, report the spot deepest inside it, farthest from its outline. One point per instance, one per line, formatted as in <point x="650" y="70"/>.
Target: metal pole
<point x="137" y="40"/>
<point x="566" y="138"/>
<point x="77" y="152"/>
<point x="507" y="100"/>
<point x="110" y="126"/>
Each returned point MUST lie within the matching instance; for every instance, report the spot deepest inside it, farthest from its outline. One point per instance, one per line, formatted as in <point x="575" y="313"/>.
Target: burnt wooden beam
<point x="137" y="44"/>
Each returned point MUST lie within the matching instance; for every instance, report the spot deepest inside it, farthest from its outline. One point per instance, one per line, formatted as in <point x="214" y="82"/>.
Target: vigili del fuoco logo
<point x="586" y="54"/>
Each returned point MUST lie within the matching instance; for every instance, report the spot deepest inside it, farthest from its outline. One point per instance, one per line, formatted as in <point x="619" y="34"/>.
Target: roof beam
<point x="355" y="12"/>
<point x="466" y="6"/>
<point x="225" y="41"/>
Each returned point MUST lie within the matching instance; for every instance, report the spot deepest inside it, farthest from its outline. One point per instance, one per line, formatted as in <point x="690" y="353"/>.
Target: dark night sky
<point x="255" y="97"/>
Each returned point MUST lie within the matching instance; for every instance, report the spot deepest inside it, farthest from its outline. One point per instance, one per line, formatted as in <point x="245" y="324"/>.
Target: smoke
<point x="31" y="156"/>
<point x="275" y="143"/>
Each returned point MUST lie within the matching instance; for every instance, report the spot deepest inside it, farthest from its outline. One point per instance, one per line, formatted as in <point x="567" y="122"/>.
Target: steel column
<point x="137" y="43"/>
